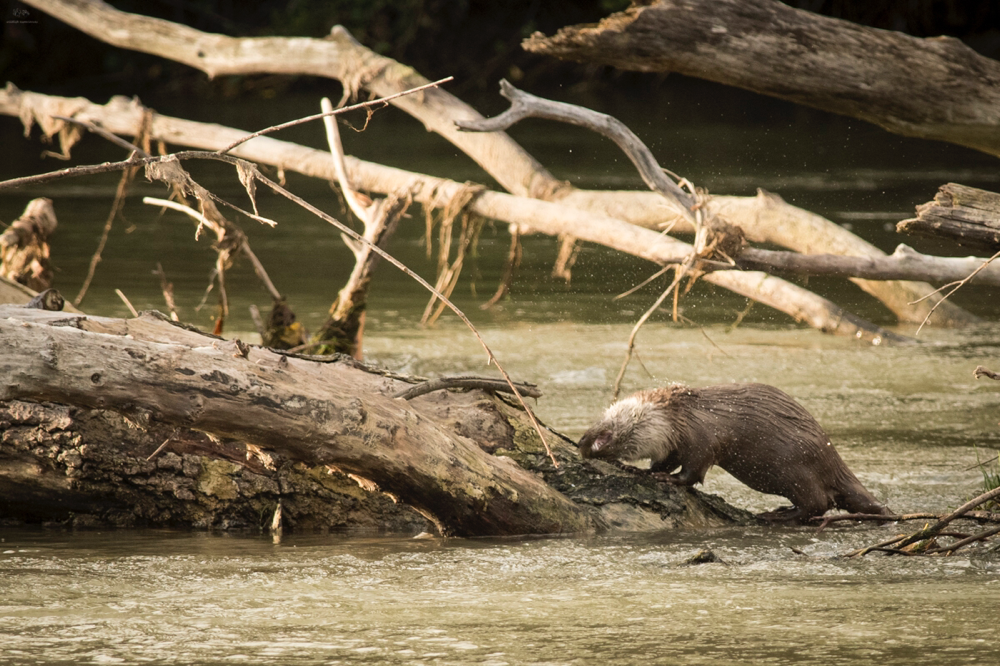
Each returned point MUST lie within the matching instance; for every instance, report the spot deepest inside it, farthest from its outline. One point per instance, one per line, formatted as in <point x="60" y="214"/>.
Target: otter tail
<point x="855" y="498"/>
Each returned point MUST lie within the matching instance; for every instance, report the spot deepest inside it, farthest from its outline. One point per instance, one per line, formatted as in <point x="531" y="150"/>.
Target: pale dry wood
<point x="344" y="329"/>
<point x="767" y="218"/>
<point x="343" y="58"/>
<point x="524" y="105"/>
<point x="339" y="57"/>
<point x="318" y="413"/>
<point x="531" y="216"/>
<point x="933" y="88"/>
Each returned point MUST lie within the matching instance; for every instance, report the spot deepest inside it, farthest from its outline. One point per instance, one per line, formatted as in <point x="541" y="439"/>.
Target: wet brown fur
<point x="756" y="432"/>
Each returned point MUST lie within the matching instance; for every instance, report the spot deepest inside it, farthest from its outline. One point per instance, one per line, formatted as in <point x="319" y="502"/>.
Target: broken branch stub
<point x="24" y="246"/>
<point x="964" y="215"/>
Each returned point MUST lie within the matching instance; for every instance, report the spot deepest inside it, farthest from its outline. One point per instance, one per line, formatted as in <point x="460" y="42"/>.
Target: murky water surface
<point x="136" y="597"/>
<point x="910" y="421"/>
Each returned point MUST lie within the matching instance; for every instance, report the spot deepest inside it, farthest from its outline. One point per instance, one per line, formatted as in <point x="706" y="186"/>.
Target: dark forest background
<point x="477" y="41"/>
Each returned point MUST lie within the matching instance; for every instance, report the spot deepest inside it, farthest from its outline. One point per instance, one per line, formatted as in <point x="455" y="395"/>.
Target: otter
<point x="756" y="432"/>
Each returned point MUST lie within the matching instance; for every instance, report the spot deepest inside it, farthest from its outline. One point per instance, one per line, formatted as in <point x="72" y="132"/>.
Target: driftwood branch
<point x="24" y="246"/>
<point x="528" y="214"/>
<point x="484" y="383"/>
<point x="468" y="461"/>
<point x="524" y="105"/>
<point x="934" y="88"/>
<point x="903" y="264"/>
<point x="343" y="330"/>
<point x="339" y="56"/>
<point x="764" y="219"/>
<point x="980" y="371"/>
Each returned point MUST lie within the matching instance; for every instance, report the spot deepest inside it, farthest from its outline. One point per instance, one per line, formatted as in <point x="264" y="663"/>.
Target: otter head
<point x="631" y="429"/>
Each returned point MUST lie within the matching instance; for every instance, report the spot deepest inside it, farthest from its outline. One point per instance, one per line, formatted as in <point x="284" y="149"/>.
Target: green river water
<point x="909" y="420"/>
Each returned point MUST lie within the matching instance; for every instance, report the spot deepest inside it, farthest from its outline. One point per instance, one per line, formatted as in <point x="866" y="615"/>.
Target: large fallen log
<point x="965" y="215"/>
<point x="342" y="58"/>
<point x="428" y="452"/>
<point x="935" y="88"/>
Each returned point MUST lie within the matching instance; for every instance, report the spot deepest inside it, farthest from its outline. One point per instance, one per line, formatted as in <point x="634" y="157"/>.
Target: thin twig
<point x="116" y="209"/>
<point x="119" y="203"/>
<point x="705" y="333"/>
<point x="644" y="282"/>
<point x="957" y="285"/>
<point x="964" y="542"/>
<point x="635" y="331"/>
<point x="362" y="105"/>
<point x="168" y="291"/>
<point x="874" y="517"/>
<point x="484" y="383"/>
<point x="982" y="464"/>
<point x="938" y="527"/>
<point x="161" y="446"/>
<point x="127" y="303"/>
<point x="878" y="546"/>
<point x="513" y="261"/>
<point x="100" y="131"/>
<point x="244" y="245"/>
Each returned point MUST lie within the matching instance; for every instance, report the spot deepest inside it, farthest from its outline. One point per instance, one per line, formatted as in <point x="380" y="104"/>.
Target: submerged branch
<point x="924" y="538"/>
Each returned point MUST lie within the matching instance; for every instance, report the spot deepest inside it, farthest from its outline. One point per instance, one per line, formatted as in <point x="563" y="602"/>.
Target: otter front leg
<point x="663" y="470"/>
<point x="684" y="477"/>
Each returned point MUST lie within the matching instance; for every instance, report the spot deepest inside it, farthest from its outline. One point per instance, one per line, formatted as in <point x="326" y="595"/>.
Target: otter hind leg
<point x="805" y="505"/>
